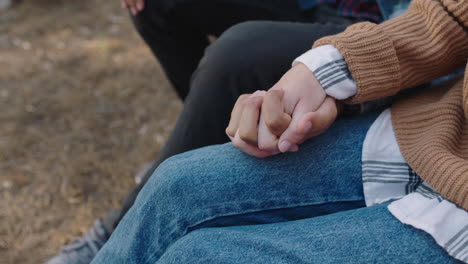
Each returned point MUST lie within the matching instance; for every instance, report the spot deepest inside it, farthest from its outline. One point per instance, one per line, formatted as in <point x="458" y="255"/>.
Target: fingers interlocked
<point x="273" y="121"/>
<point x="257" y="121"/>
<point x="276" y="119"/>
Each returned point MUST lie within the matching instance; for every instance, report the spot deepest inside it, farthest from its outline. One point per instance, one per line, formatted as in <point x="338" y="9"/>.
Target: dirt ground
<point x="83" y="106"/>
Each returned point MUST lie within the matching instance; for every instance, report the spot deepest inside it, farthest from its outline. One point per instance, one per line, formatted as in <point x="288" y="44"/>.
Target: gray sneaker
<point x="4" y="4"/>
<point x="83" y="249"/>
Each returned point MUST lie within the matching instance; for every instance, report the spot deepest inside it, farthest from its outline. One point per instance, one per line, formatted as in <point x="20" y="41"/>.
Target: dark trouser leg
<point x="241" y="61"/>
<point x="176" y="31"/>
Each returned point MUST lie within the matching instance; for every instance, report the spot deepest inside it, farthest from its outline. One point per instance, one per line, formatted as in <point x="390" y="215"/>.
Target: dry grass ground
<point x="83" y="105"/>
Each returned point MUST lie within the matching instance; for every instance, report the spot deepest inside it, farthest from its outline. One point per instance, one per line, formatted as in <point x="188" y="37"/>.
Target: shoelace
<point x="91" y="239"/>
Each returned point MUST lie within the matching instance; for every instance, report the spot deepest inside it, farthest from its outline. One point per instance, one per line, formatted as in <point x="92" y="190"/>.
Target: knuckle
<point x="243" y="97"/>
<point x="244" y="103"/>
<point x="274" y="93"/>
<point x="247" y="136"/>
<point x="249" y="103"/>
<point x="252" y="101"/>
<point x="249" y="106"/>
<point x="230" y="131"/>
<point x="274" y="123"/>
<point x="268" y="95"/>
<point x="242" y="135"/>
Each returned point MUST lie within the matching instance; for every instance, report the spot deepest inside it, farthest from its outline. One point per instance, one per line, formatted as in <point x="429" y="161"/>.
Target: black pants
<point x="247" y="57"/>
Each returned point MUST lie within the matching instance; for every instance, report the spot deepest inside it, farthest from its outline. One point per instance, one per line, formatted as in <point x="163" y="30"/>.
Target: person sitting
<point x="388" y="186"/>
<point x="211" y="79"/>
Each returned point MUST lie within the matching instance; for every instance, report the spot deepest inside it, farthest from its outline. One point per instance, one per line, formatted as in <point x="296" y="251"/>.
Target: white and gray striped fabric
<point x="386" y="175"/>
<point x="330" y="69"/>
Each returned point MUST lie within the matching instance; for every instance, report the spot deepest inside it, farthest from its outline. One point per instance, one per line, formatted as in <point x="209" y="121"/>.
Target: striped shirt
<point x="386" y="176"/>
<point x="365" y="9"/>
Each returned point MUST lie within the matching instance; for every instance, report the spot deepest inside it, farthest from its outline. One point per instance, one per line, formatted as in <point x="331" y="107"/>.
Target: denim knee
<point x="167" y="179"/>
<point x="194" y="183"/>
<point x="175" y="186"/>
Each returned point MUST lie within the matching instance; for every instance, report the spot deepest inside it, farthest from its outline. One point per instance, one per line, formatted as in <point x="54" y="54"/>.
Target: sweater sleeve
<point x="428" y="41"/>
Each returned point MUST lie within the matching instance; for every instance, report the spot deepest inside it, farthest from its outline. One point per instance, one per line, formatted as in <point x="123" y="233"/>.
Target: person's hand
<point x="320" y="121"/>
<point x="246" y="138"/>
<point x="297" y="94"/>
<point x="303" y="95"/>
<point x="243" y="126"/>
<point x="135" y="6"/>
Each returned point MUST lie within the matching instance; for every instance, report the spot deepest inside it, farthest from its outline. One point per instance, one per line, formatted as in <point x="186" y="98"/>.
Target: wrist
<point x="310" y="80"/>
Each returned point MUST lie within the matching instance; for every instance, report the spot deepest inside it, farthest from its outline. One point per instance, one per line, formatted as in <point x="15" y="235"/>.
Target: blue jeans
<point x="218" y="205"/>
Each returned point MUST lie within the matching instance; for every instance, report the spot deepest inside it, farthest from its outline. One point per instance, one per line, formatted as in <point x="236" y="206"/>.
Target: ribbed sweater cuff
<point x="371" y="58"/>
<point x="459" y="9"/>
<point x="417" y="47"/>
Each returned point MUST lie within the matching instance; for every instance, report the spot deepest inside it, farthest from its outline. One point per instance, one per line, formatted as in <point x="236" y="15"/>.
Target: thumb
<point x="312" y="124"/>
<point x="320" y="119"/>
<point x="306" y="123"/>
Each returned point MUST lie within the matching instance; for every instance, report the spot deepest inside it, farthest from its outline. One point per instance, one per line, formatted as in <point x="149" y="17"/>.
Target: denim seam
<point x="278" y="205"/>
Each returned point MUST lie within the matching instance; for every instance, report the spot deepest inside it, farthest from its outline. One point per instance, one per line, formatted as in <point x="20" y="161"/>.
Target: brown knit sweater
<point x="427" y="42"/>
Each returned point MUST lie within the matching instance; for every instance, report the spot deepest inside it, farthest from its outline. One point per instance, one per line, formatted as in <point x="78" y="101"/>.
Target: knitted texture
<point x="428" y="41"/>
<point x="465" y="92"/>
<point x="432" y="132"/>
<point x="459" y="9"/>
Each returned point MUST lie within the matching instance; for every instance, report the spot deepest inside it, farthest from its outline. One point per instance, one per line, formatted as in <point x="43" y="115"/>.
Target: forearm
<point x="330" y="69"/>
<point x="419" y="46"/>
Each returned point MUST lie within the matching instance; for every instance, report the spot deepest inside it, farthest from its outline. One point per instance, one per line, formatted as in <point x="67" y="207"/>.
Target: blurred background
<point x="83" y="106"/>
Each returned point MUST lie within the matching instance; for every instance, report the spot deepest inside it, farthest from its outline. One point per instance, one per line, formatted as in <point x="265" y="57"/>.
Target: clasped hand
<point x="135" y="6"/>
<point x="295" y="109"/>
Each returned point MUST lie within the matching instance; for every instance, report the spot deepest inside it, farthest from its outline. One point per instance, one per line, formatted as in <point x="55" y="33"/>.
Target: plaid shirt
<point x="365" y="9"/>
